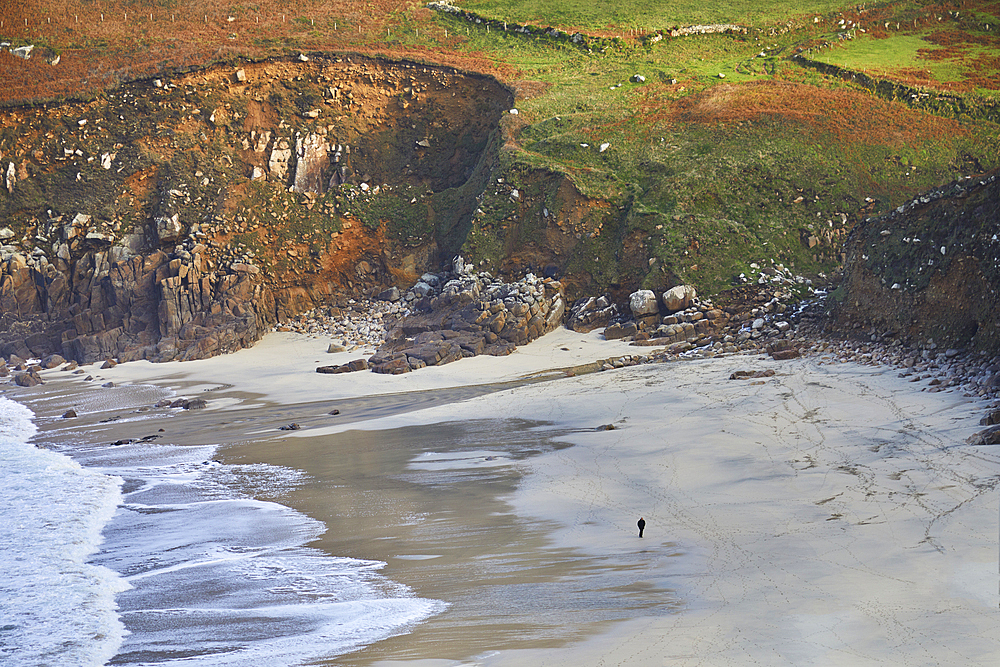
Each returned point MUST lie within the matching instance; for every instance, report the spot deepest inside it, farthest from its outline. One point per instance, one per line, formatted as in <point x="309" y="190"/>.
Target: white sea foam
<point x="57" y="609"/>
<point x="218" y="576"/>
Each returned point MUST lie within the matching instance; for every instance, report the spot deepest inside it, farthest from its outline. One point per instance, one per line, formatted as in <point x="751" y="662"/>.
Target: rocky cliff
<point x="928" y="273"/>
<point x="181" y="217"/>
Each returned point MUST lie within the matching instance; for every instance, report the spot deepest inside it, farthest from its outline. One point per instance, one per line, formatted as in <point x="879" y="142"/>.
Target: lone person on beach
<point x="642" y="525"/>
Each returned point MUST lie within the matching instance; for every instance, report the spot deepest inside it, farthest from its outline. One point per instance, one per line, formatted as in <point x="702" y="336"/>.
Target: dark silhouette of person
<point x="642" y="525"/>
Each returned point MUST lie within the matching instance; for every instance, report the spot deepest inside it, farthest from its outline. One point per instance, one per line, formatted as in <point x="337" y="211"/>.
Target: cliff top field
<point x="639" y="155"/>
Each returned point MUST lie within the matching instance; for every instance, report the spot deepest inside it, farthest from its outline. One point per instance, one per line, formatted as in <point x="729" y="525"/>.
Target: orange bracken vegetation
<point x="104" y="43"/>
<point x="845" y="115"/>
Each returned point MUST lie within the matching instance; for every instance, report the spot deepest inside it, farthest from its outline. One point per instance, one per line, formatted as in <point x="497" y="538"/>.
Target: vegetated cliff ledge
<point x="929" y="271"/>
<point x="181" y="218"/>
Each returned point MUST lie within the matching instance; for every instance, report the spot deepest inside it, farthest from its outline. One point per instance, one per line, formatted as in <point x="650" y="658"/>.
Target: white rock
<point x="604" y="147"/>
<point x="643" y="302"/>
<point x="679" y="297"/>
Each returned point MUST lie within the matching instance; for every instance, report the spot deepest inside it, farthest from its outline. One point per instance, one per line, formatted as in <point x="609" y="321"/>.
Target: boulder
<point x="679" y="297"/>
<point x="746" y="375"/>
<point x="52" y="360"/>
<point x="168" y="228"/>
<point x="618" y="331"/>
<point x="591" y="313"/>
<point x="350" y="367"/>
<point x="69" y="414"/>
<point x="993" y="417"/>
<point x="391" y="294"/>
<point x="782" y="349"/>
<point x="643" y="302"/>
<point x="187" y="403"/>
<point x="990" y="436"/>
<point x="27" y="379"/>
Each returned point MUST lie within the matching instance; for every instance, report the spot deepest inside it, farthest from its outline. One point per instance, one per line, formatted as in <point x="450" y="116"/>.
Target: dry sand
<point x="829" y="515"/>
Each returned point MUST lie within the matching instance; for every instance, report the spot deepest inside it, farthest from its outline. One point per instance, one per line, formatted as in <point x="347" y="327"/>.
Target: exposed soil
<point x="929" y="272"/>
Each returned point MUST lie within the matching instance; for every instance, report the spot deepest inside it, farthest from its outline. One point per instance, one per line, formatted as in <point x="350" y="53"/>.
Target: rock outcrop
<point x="271" y="191"/>
<point x="464" y="314"/>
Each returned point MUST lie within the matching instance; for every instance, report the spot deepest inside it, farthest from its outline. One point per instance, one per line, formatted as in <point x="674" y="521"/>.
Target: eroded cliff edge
<point x="928" y="273"/>
<point x="181" y="218"/>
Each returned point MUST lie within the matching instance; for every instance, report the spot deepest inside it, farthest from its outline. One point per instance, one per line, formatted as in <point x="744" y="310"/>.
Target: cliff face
<point x="181" y="218"/>
<point x="929" y="270"/>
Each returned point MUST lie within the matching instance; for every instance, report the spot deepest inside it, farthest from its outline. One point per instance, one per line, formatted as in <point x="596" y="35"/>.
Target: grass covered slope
<point x="724" y="152"/>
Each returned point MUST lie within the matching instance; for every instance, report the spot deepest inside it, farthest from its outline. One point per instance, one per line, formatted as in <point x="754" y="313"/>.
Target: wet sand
<point x="827" y="515"/>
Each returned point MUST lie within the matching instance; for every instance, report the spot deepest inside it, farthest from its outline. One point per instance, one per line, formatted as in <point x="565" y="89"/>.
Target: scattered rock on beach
<point x="643" y="302"/>
<point x="52" y="361"/>
<point x="591" y="313"/>
<point x="27" y="379"/>
<point x="991" y="418"/>
<point x="69" y="414"/>
<point x="747" y="375"/>
<point x="289" y="427"/>
<point x="350" y="367"/>
<point x="782" y="349"/>
<point x="990" y="436"/>
<point x="679" y="298"/>
<point x="109" y="363"/>
<point x="187" y="403"/>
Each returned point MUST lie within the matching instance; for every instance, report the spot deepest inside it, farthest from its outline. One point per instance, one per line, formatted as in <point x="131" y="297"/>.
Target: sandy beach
<point x="829" y="514"/>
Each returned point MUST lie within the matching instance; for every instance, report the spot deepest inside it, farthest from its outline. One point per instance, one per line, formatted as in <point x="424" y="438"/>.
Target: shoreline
<point x="578" y="501"/>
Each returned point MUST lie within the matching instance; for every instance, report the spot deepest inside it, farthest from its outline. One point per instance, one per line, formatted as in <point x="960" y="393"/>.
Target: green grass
<point x="901" y="52"/>
<point x="642" y="14"/>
